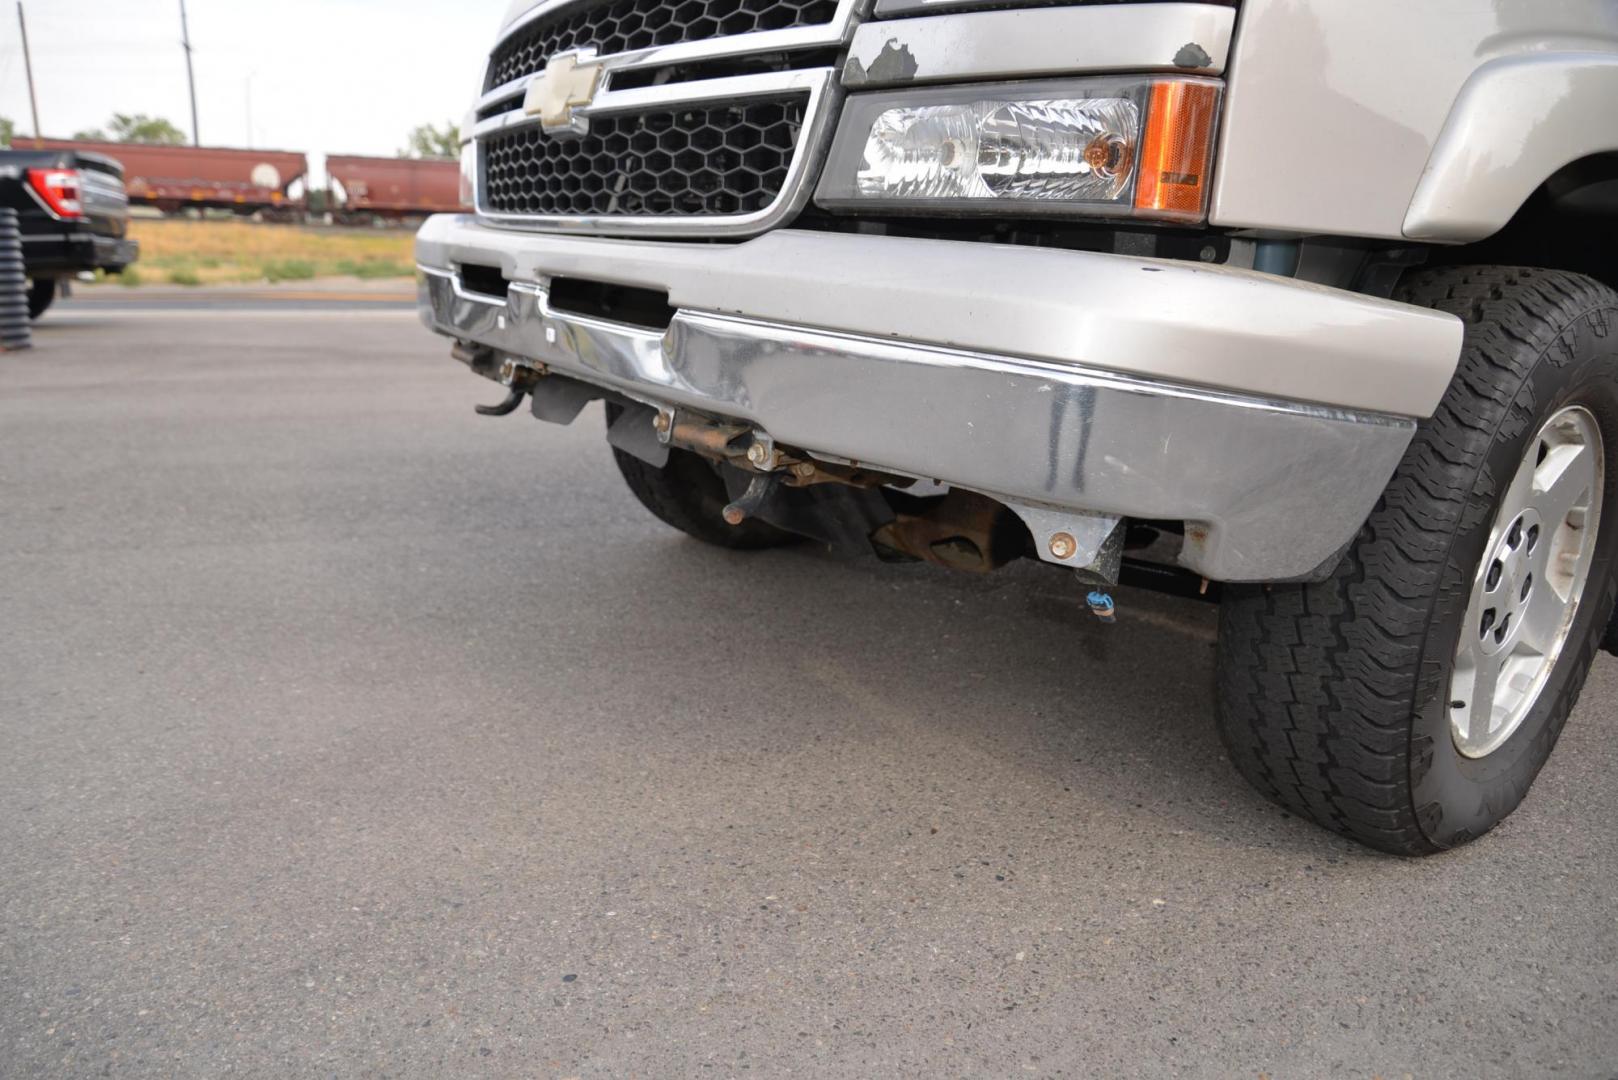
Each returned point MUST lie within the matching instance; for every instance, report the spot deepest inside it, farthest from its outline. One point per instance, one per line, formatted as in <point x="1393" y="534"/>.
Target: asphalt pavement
<point x="346" y="733"/>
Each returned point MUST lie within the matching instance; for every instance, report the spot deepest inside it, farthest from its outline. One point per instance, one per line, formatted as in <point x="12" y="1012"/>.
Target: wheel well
<point x="1566" y="224"/>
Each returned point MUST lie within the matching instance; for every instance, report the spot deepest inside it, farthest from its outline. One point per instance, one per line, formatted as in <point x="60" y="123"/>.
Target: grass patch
<point x="129" y="278"/>
<point x="290" y="270"/>
<point x="225" y="252"/>
<point x="376" y="268"/>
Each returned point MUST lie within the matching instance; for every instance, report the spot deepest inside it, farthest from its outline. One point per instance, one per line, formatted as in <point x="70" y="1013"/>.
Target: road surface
<point x="346" y="733"/>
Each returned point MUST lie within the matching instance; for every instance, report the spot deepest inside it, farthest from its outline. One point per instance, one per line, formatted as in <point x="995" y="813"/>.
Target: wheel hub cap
<point x="1526" y="590"/>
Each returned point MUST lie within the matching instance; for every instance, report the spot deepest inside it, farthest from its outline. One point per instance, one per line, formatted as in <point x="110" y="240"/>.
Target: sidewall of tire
<point x="1457" y="798"/>
<point x="41" y="294"/>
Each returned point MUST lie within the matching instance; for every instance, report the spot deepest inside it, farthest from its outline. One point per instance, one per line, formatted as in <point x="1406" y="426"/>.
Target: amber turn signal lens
<point x="1177" y="155"/>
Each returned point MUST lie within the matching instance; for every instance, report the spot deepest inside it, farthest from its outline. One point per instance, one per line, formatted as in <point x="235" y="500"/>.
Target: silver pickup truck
<point x="1304" y="305"/>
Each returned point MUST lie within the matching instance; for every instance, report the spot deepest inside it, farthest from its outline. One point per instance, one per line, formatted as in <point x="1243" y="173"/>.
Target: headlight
<point x="1137" y="147"/>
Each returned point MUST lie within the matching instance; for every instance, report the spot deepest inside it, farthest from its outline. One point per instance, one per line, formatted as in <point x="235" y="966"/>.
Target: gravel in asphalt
<point x="345" y="733"/>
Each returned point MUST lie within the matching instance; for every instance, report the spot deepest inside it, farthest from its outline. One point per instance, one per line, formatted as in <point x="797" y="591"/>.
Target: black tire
<point x="41" y="291"/>
<point x="1333" y="697"/>
<point x="690" y="494"/>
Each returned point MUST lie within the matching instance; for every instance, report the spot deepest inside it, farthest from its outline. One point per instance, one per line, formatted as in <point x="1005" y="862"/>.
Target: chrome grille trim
<point x="836" y="32"/>
<point x="650" y="98"/>
<point x="829" y="35"/>
<point x="819" y="84"/>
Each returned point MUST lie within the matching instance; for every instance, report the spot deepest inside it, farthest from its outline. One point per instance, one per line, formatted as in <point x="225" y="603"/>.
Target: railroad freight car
<point x="393" y="189"/>
<point x="174" y="178"/>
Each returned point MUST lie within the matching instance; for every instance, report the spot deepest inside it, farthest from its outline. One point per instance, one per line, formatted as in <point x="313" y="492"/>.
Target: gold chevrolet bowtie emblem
<point x="568" y="80"/>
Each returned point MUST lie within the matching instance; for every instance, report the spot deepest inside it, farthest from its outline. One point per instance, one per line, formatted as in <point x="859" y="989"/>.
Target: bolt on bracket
<point x="1092" y="544"/>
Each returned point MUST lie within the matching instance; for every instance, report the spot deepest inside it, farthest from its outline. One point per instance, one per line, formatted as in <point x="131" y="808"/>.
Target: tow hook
<point x="759" y="489"/>
<point x="520" y="380"/>
<point x="505" y="408"/>
<point x="1105" y="610"/>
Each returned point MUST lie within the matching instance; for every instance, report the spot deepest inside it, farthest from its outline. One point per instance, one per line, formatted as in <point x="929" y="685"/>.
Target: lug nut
<point x="758" y="454"/>
<point x="1063" y="546"/>
<point x="804" y="470"/>
<point x="660" y="422"/>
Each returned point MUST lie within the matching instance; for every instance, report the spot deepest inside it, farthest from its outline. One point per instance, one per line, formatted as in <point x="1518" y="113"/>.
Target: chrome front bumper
<point x="1270" y="489"/>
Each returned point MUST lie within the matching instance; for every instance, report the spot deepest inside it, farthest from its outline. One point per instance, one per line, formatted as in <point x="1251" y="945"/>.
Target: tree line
<point x="424" y="141"/>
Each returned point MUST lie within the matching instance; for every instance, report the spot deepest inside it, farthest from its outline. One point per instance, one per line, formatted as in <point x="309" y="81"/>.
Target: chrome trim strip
<point x="818" y="83"/>
<point x="803" y="37"/>
<point x="836" y="32"/>
<point x="1041" y="41"/>
<point x="657" y="98"/>
<point x="1270" y="489"/>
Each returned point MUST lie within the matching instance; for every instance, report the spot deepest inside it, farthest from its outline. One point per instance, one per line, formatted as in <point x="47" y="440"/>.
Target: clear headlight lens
<point x="1054" y="149"/>
<point x="1140" y="147"/>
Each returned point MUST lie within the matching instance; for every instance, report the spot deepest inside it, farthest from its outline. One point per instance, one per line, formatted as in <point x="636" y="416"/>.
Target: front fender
<point x="1516" y="121"/>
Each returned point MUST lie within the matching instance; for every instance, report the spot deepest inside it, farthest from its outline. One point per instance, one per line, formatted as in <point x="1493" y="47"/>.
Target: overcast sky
<point x="328" y="76"/>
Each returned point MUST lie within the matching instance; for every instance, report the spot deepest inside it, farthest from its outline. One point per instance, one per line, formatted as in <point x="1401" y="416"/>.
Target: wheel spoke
<point x="1563" y="482"/>
<point x="1477" y="678"/>
<point x="1519" y="496"/>
<point x="1542" y="621"/>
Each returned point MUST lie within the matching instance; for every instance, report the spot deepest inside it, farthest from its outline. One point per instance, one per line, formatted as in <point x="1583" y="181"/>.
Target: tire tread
<point x="1318" y="683"/>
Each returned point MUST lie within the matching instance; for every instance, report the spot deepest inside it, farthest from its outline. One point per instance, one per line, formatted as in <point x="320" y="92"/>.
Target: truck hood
<point x="517" y="9"/>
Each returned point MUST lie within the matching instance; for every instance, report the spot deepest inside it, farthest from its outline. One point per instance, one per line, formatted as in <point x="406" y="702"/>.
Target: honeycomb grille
<point x="731" y="158"/>
<point x="615" y="26"/>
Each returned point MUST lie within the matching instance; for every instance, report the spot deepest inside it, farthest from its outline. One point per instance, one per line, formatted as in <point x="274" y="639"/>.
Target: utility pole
<point x="190" y="75"/>
<point x="28" y="65"/>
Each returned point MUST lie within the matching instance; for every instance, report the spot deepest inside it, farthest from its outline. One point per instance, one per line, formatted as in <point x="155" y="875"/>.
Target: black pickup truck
<point x="74" y="216"/>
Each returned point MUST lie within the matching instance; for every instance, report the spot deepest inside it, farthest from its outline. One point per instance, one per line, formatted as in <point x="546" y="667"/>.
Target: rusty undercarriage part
<point x="840" y="502"/>
<point x="961" y="530"/>
<point x="752" y="450"/>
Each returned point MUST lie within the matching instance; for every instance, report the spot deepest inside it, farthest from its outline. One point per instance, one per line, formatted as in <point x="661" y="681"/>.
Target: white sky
<point x="328" y="76"/>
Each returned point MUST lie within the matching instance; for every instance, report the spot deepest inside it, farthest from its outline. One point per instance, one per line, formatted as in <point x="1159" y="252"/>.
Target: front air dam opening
<point x="648" y="308"/>
<point x="484" y="280"/>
